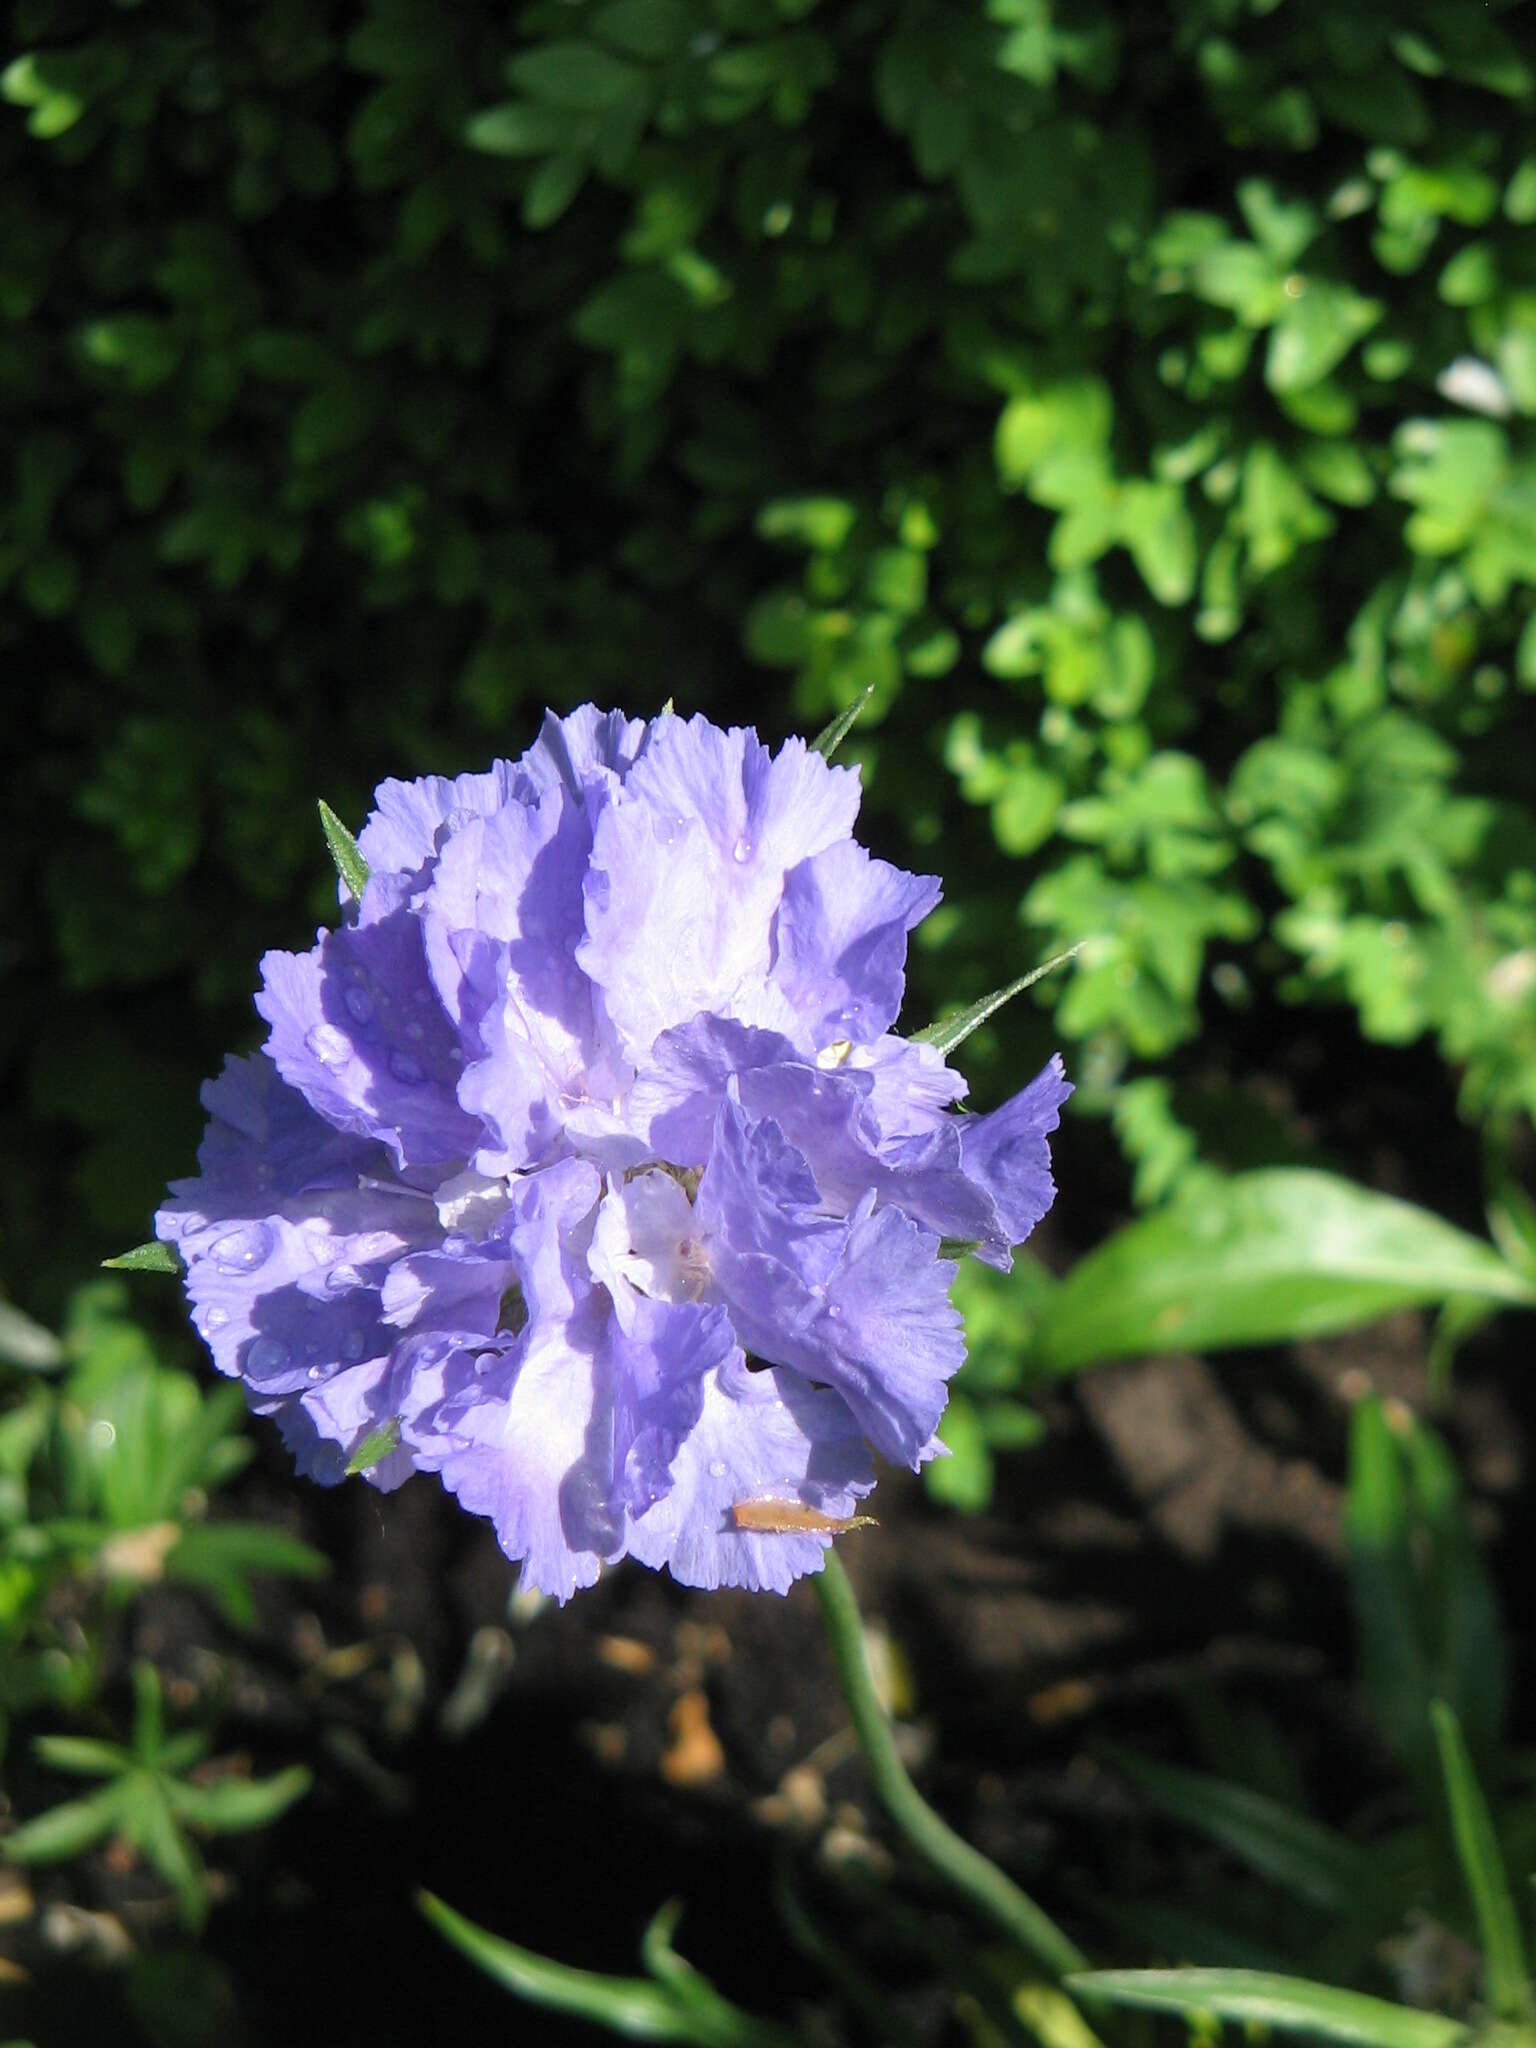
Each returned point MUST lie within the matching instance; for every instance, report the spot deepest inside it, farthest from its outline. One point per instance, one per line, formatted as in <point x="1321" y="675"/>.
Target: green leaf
<point x="963" y="1480"/>
<point x="65" y="1830"/>
<point x="576" y="77"/>
<point x="518" y="128"/>
<point x="152" y="1257"/>
<point x="350" y="865"/>
<point x="1508" y="1981"/>
<point x="81" y="1756"/>
<point x="1258" y="1998"/>
<point x="209" y="1548"/>
<point x="375" y="1447"/>
<point x="1316" y="331"/>
<point x="1289" y="1849"/>
<point x="232" y="1805"/>
<point x="953" y="1031"/>
<point x="1426" y="1611"/>
<point x="630" y="2006"/>
<point x="1262" y="1257"/>
<point x="150" y="1823"/>
<point x="831" y="737"/>
<point x="552" y="188"/>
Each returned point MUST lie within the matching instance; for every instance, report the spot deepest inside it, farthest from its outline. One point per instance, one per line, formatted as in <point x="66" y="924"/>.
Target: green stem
<point x="995" y="1897"/>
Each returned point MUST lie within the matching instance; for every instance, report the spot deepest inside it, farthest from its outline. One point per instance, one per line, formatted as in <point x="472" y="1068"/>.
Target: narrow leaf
<point x="146" y="1258"/>
<point x="208" y="1549"/>
<point x="831" y="737"/>
<point x="1255" y="1258"/>
<point x="1290" y="1850"/>
<point x="64" y="1831"/>
<point x="350" y="865"/>
<point x="231" y="1805"/>
<point x="1477" y="1850"/>
<point x="630" y="2006"/>
<point x="81" y="1755"/>
<point x="375" y="1447"/>
<point x="1292" y="2004"/>
<point x="953" y="1031"/>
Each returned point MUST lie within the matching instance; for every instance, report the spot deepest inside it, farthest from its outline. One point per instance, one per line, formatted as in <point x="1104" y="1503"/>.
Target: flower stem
<point x="994" y="1896"/>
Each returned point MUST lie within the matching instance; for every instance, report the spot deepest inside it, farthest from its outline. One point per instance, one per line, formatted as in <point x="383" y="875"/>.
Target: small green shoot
<point x="350" y="865"/>
<point x="147" y="1801"/>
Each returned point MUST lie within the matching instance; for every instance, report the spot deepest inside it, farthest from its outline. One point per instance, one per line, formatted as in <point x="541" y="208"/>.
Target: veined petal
<point x="688" y="866"/>
<point x="760" y="1437"/>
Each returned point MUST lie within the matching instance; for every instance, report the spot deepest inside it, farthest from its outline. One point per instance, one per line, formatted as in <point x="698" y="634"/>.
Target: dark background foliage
<point x="1075" y="375"/>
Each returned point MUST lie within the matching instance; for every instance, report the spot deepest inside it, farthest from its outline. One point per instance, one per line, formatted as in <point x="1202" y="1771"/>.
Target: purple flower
<point x="582" y="1168"/>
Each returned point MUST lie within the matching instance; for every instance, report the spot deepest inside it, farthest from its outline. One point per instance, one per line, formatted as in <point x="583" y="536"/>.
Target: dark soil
<point x="558" y="1774"/>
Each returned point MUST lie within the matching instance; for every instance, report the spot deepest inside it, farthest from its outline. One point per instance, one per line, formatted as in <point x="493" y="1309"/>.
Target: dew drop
<point x="404" y="1068"/>
<point x="102" y="1434"/>
<point x="352" y="1346"/>
<point x="359" y="1003"/>
<point x="332" y="1048"/>
<point x="717" y="1468"/>
<point x="742" y="850"/>
<point x="266" y="1355"/>
<point x="342" y="1279"/>
<point x="215" y="1319"/>
<point x="242" y="1250"/>
<point x="316" y="1372"/>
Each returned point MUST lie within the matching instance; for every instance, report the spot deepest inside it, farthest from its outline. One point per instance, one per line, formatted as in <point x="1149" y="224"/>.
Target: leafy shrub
<point x="1138" y="399"/>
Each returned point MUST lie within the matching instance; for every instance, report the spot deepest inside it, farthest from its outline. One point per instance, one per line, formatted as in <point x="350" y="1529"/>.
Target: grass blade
<point x="1291" y="2004"/>
<point x="1312" y="1862"/>
<point x="1477" y="1850"/>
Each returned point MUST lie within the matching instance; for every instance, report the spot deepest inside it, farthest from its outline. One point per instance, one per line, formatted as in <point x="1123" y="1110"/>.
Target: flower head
<point x="581" y="1165"/>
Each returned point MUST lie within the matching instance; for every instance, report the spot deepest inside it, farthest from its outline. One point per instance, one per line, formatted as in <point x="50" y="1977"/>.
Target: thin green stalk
<point x="995" y="1897"/>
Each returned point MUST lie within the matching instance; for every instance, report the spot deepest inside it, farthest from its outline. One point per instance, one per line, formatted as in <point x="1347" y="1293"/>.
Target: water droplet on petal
<point x="717" y="1468"/>
<point x="215" y="1319"/>
<point x="743" y="849"/>
<point x="353" y="1346"/>
<point x="266" y="1355"/>
<point x="332" y="1048"/>
<point x="316" y="1372"/>
<point x="404" y="1068"/>
<point x="359" y="1003"/>
<point x="242" y="1250"/>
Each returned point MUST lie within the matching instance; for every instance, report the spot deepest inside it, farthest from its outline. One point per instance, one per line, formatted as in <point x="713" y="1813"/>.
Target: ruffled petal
<point x="402" y="830"/>
<point x="840" y="941"/>
<point x="688" y="866"/>
<point x="1007" y="1152"/>
<point x="358" y="1029"/>
<point x="760" y="1437"/>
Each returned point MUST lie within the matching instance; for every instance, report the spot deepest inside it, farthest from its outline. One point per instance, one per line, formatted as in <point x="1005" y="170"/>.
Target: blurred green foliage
<point x="1137" y="400"/>
<point x="108" y="1459"/>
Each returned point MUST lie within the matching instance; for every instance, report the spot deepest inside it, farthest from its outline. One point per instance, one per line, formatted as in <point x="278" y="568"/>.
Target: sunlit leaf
<point x="1259" y="1258"/>
<point x="1288" y="2004"/>
<point x="350" y="865"/>
<point x="152" y="1257"/>
<point x="953" y="1031"/>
